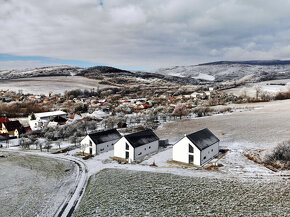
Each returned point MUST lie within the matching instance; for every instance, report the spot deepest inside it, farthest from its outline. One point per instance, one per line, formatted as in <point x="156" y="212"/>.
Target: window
<point x="190" y="148"/>
<point x="90" y="143"/>
<point x="127" y="146"/>
<point x="149" y="147"/>
<point x="204" y="157"/>
<point x="190" y="159"/>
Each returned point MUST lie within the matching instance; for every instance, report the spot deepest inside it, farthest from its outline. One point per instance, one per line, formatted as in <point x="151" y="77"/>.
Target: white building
<point x="197" y="148"/>
<point x="43" y="118"/>
<point x="96" y="143"/>
<point x="135" y="146"/>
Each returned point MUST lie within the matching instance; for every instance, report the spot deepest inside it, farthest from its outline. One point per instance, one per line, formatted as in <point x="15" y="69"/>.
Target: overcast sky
<point x="143" y="34"/>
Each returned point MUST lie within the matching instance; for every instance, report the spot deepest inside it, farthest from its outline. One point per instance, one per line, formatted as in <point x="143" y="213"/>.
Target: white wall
<point x="85" y="146"/>
<point x="146" y="149"/>
<point x="209" y="153"/>
<point x="120" y="149"/>
<point x="181" y="153"/>
<point x="96" y="149"/>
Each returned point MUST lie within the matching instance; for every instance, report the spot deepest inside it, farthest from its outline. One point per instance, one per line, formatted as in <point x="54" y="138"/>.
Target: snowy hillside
<point x="222" y="71"/>
<point x="38" y="72"/>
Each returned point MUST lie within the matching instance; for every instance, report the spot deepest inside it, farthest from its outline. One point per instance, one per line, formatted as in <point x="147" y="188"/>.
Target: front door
<point x="127" y="154"/>
<point x="190" y="159"/>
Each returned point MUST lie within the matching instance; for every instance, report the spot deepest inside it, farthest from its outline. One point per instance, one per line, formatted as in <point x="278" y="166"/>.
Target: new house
<point x="197" y="148"/>
<point x="135" y="146"/>
<point x="100" y="142"/>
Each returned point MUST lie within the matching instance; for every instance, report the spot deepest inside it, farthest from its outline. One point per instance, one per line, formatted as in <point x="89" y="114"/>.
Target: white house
<point x="43" y="118"/>
<point x="197" y="148"/>
<point x="135" y="146"/>
<point x="96" y="143"/>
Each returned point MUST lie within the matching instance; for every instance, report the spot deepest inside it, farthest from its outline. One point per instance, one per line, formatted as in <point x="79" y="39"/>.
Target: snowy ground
<point x="134" y="193"/>
<point x="270" y="87"/>
<point x="44" y="85"/>
<point x="32" y="185"/>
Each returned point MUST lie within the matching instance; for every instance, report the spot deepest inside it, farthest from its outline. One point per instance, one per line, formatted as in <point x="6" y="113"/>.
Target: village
<point x="134" y="129"/>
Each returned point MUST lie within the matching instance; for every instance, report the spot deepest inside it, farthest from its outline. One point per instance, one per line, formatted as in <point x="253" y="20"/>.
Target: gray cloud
<point x="151" y="33"/>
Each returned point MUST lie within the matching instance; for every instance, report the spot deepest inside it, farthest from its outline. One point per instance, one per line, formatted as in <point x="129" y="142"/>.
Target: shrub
<point x="280" y="153"/>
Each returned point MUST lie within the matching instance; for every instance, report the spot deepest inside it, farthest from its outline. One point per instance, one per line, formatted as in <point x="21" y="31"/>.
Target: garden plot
<point x="114" y="192"/>
<point x="32" y="185"/>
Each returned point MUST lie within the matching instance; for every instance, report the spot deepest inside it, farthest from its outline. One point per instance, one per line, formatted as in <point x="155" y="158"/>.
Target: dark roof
<point x="203" y="138"/>
<point x="141" y="138"/>
<point x="12" y="125"/>
<point x="59" y="119"/>
<point x="105" y="136"/>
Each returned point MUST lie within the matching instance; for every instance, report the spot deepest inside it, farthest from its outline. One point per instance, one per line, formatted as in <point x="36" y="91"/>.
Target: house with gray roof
<point x="197" y="148"/>
<point x="96" y="143"/>
<point x="137" y="145"/>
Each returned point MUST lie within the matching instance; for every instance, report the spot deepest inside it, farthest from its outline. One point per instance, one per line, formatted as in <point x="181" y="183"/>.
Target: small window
<point x="140" y="153"/>
<point x="149" y="147"/>
<point x="90" y="143"/>
<point x="127" y="146"/>
<point x="190" y="148"/>
<point x="204" y="157"/>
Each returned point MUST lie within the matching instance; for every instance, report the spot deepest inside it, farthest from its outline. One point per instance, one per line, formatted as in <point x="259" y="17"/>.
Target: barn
<point x="137" y="145"/>
<point x="197" y="148"/>
<point x="96" y="143"/>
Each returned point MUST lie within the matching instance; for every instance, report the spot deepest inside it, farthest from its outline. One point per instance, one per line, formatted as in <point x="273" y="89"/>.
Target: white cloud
<point x="150" y="33"/>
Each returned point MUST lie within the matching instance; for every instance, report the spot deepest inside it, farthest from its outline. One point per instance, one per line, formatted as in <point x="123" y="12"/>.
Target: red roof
<point x="4" y="120"/>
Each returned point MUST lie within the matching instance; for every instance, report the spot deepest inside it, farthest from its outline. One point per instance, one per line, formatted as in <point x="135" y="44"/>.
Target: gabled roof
<point x="203" y="138"/>
<point x="12" y="125"/>
<point x="141" y="138"/>
<point x="105" y="136"/>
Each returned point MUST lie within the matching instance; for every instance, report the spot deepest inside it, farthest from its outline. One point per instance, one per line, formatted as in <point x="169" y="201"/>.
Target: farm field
<point x="44" y="85"/>
<point x="32" y="185"/>
<point x="114" y="192"/>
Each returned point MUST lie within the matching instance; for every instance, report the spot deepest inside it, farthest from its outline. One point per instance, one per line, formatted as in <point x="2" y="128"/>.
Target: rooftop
<point x="105" y="136"/>
<point x="141" y="138"/>
<point x="203" y="139"/>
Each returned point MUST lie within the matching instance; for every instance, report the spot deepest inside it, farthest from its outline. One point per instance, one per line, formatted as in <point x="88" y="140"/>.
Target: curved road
<point x="67" y="208"/>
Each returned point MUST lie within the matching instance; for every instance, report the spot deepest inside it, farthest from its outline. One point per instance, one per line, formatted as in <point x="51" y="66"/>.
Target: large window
<point x="127" y="146"/>
<point x="90" y="143"/>
<point x="190" y="148"/>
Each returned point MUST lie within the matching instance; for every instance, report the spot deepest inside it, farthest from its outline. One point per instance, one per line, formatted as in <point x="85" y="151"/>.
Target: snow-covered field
<point x="44" y="85"/>
<point x="32" y="185"/>
<point x="131" y="193"/>
<point x="269" y="87"/>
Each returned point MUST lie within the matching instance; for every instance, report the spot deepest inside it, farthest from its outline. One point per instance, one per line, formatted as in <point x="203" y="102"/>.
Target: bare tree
<point x="180" y="110"/>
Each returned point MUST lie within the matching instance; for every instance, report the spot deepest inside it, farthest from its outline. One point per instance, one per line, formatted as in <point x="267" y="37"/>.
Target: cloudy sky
<point x="141" y="34"/>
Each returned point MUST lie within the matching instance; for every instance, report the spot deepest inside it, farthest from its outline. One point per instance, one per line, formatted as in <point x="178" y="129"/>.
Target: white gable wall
<point x="181" y="152"/>
<point x="120" y="149"/>
<point x="85" y="145"/>
<point x="146" y="149"/>
<point x="96" y="149"/>
<point x="209" y="153"/>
